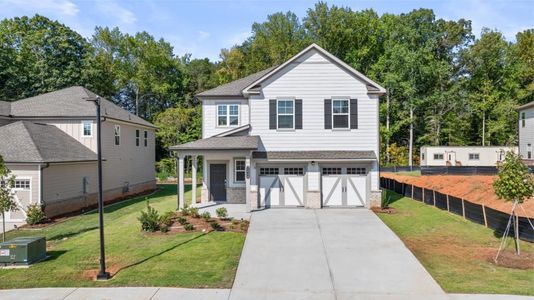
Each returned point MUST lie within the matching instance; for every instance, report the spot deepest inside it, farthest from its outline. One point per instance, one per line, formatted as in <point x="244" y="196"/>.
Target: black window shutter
<point x="272" y="114"/>
<point x="353" y="113"/>
<point x="327" y="113"/>
<point x="298" y="114"/>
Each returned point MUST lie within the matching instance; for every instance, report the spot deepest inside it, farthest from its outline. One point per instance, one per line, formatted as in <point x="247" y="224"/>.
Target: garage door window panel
<point x="294" y="171"/>
<point x="269" y="171"/>
<point x="331" y="171"/>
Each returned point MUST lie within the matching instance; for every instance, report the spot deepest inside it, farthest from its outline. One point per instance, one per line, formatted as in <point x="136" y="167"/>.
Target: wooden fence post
<point x="463" y="208"/>
<point x="423" y="195"/>
<point x="434" y="197"/>
<point x="412" y="190"/>
<point x="484" y="213"/>
<point x="448" y="203"/>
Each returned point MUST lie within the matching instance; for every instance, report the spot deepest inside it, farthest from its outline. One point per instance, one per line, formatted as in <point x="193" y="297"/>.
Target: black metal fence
<point x="477" y="213"/>
<point x="444" y="170"/>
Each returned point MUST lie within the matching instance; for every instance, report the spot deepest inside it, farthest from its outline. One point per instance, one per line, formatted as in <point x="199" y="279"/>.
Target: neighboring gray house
<point x="467" y="156"/>
<point x="526" y="132"/>
<point x="49" y="144"/>
<point x="303" y="134"/>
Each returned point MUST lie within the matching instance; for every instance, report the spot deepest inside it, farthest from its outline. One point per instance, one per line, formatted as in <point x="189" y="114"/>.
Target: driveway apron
<point x="327" y="254"/>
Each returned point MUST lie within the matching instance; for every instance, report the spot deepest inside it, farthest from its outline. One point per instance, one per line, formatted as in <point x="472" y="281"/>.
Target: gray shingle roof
<point x="235" y="88"/>
<point x="5" y="108"/>
<point x="29" y="142"/>
<point x="222" y="143"/>
<point x="71" y="102"/>
<point x="530" y="104"/>
<point x="318" y="155"/>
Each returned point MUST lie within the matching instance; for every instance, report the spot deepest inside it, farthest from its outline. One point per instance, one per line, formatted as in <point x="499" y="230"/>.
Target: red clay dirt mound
<point x="473" y="188"/>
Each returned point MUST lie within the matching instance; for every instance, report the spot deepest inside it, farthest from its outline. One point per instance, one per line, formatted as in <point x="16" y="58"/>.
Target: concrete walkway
<point x="327" y="254"/>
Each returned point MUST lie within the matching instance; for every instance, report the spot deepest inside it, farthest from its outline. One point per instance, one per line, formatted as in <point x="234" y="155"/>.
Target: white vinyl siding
<point x="526" y="132"/>
<point x="210" y="116"/>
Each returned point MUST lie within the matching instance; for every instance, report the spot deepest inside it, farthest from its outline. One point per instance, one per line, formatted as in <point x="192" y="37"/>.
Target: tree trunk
<point x="387" y="127"/>
<point x="410" y="148"/>
<point x="3" y="227"/>
<point x="137" y="102"/>
<point x="484" y="129"/>
<point x="516" y="233"/>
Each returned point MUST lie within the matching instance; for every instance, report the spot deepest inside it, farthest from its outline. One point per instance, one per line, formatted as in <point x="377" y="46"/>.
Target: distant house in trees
<point x="526" y="132"/>
<point x="49" y="144"/>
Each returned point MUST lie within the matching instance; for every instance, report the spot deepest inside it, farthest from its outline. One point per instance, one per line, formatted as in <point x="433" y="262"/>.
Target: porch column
<point x="180" y="170"/>
<point x="247" y="184"/>
<point x="194" y="179"/>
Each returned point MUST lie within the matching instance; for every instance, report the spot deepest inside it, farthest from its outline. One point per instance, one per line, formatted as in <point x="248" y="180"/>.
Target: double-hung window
<point x="340" y="114"/>
<point x="227" y="115"/>
<point x="286" y="114"/>
<point x="239" y="170"/>
<point x="137" y="137"/>
<point x="117" y="135"/>
<point x="523" y="117"/>
<point x="146" y="138"/>
<point x="87" y="128"/>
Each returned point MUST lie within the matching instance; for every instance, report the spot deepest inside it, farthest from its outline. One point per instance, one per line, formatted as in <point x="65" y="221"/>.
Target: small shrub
<point x="163" y="228"/>
<point x="244" y="224"/>
<point x="167" y="218"/>
<point x="182" y="220"/>
<point x="150" y="219"/>
<point x="193" y="211"/>
<point x="235" y="222"/>
<point x="35" y="214"/>
<point x="222" y="212"/>
<point x="185" y="211"/>
<point x="206" y="216"/>
<point x="216" y="226"/>
<point x="189" y="227"/>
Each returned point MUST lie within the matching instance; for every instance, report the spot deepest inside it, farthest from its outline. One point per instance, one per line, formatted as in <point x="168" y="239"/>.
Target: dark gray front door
<point x="218" y="182"/>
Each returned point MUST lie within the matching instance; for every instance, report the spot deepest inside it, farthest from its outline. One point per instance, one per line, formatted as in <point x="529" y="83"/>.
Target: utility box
<point x="22" y="251"/>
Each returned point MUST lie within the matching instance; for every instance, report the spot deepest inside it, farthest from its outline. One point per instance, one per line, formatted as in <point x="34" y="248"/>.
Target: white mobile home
<point x="463" y="155"/>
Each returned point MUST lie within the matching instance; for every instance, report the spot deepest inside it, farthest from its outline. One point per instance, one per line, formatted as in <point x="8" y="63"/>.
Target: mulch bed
<point x="509" y="259"/>
<point x="384" y="210"/>
<point x="202" y="225"/>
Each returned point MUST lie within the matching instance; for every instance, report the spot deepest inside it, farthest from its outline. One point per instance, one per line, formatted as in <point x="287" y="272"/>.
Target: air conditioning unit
<point x="22" y="251"/>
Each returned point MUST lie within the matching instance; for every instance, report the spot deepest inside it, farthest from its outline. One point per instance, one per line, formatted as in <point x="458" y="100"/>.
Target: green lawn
<point x="457" y="252"/>
<point x="183" y="260"/>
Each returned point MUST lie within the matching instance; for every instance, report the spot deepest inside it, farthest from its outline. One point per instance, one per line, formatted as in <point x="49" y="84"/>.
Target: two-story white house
<point x="526" y="132"/>
<point x="302" y="134"/>
<point x="49" y="143"/>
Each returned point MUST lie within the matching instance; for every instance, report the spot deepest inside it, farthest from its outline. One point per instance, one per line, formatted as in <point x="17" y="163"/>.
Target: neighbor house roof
<point x="236" y="87"/>
<point x="222" y="143"/>
<point x="314" y="155"/>
<point x="27" y="142"/>
<point x="69" y="102"/>
<point x="530" y="104"/>
<point x="5" y="108"/>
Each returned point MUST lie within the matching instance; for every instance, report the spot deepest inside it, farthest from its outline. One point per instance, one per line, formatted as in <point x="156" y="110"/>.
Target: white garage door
<point x="282" y="190"/>
<point x="344" y="190"/>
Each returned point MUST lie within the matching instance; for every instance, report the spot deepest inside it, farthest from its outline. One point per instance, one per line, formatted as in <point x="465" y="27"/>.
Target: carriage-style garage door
<point x="344" y="190"/>
<point x="282" y="190"/>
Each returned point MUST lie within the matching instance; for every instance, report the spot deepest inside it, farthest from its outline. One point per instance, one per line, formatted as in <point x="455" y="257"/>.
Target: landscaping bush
<point x="182" y="220"/>
<point x="150" y="219"/>
<point x="185" y="211"/>
<point x="244" y="224"/>
<point x="216" y="226"/>
<point x="193" y="211"/>
<point x="222" y="212"/>
<point x="35" y="214"/>
<point x="206" y="216"/>
<point x="167" y="218"/>
<point x="189" y="227"/>
<point x="163" y="228"/>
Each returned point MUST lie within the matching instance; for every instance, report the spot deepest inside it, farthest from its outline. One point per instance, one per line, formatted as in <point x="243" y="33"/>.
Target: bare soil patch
<point x="509" y="259"/>
<point x="473" y="188"/>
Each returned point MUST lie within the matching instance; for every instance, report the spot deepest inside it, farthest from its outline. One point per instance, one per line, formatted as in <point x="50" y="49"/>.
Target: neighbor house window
<point x="529" y="151"/>
<point x="239" y="170"/>
<point x="268" y="171"/>
<point x="286" y="114"/>
<point x="474" y="156"/>
<point x="340" y="113"/>
<point x="117" y="134"/>
<point x="523" y="119"/>
<point x="146" y="138"/>
<point x="137" y="137"/>
<point x="294" y="171"/>
<point x="87" y="128"/>
<point x="438" y="156"/>
<point x="331" y="171"/>
<point x="227" y="115"/>
<point x="356" y="171"/>
<point x="23" y="184"/>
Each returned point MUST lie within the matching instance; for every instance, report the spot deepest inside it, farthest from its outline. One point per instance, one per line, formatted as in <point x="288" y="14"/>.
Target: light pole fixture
<point x="102" y="274"/>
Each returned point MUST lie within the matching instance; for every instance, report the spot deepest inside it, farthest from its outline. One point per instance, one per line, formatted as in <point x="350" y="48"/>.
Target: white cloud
<point x="202" y="35"/>
<point x="113" y="9"/>
<point x="60" y="7"/>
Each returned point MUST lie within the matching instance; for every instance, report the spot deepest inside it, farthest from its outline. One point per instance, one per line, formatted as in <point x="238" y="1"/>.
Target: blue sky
<point x="203" y="27"/>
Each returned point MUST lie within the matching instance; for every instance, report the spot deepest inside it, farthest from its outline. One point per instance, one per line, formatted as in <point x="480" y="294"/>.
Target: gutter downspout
<point x="41" y="196"/>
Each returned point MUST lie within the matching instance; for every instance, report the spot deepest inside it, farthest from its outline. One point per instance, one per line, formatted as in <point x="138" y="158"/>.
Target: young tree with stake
<point x="515" y="185"/>
<point x="7" y="198"/>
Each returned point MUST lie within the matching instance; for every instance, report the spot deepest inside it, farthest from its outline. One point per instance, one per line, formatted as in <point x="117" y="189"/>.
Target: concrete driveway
<point x="328" y="254"/>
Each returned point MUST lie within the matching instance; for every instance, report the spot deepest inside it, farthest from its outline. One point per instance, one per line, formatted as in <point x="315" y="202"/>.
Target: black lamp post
<point x="102" y="274"/>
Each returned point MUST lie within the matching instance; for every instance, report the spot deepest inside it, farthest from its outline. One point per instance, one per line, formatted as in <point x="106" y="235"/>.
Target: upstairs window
<point x="227" y="115"/>
<point x="474" y="156"/>
<point x="438" y="156"/>
<point x="117" y="135"/>
<point x="239" y="170"/>
<point x="286" y="114"/>
<point x="146" y="138"/>
<point x="340" y="114"/>
<point x="87" y="128"/>
<point x="523" y="117"/>
<point x="137" y="137"/>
